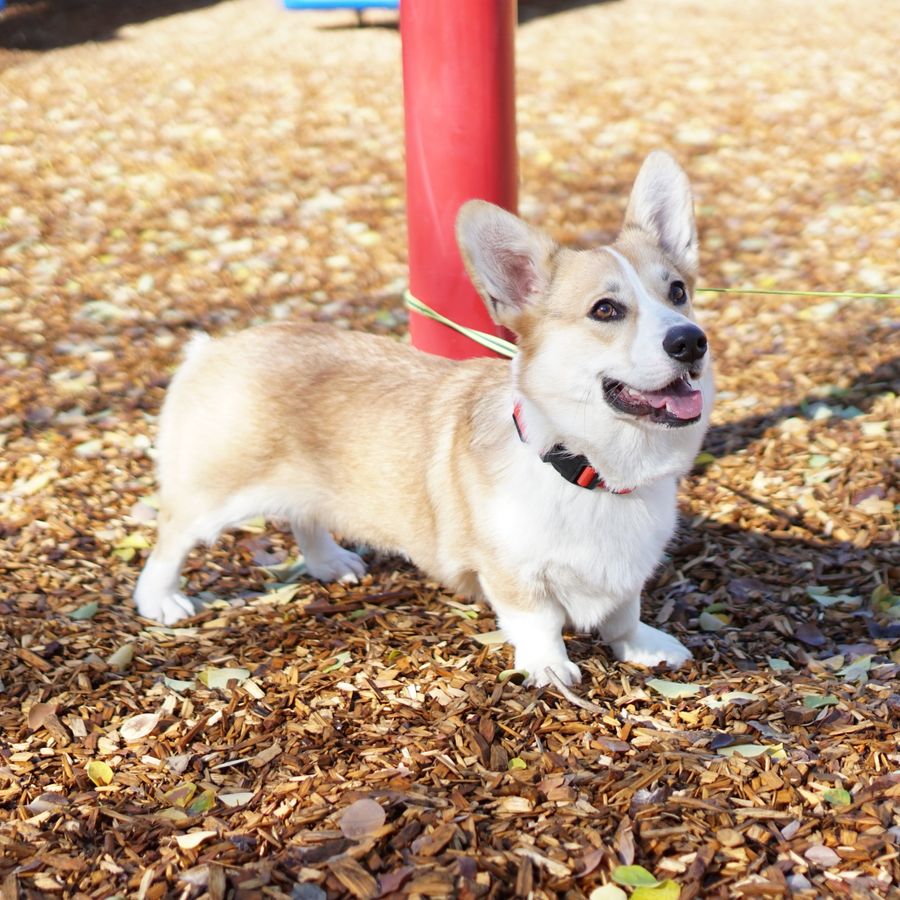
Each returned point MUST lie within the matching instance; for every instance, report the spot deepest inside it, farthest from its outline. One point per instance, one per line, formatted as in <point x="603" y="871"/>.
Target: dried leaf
<point x="180" y="795"/>
<point x="515" y="805"/>
<point x="281" y="595"/>
<point x="219" y="678"/>
<point x="809" y="634"/>
<point x="516" y="763"/>
<point x="728" y="697"/>
<point x="673" y="690"/>
<point x="236" y="798"/>
<point x="516" y="676"/>
<point x="138" y="727"/>
<point x="749" y="750"/>
<point x="822" y="856"/>
<point x="607" y="892"/>
<point x="193" y="839"/>
<point x="121" y="659"/>
<point x="490" y="638"/>
<point x="39" y="713"/>
<point x="173" y="814"/>
<point x="361" y="819"/>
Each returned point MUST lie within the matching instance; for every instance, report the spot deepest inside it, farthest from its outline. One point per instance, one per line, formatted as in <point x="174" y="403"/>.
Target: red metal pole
<point x="459" y="98"/>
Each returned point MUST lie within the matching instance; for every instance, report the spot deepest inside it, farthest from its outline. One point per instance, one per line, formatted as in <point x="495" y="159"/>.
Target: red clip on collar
<point x="575" y="469"/>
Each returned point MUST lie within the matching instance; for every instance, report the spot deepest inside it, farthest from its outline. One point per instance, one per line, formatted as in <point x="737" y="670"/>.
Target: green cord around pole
<point x="491" y="341"/>
<point x="851" y="294"/>
<point x="507" y="348"/>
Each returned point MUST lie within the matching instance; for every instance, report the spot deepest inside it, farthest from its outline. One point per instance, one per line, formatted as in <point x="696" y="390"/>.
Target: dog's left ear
<point x="662" y="204"/>
<point x="507" y="260"/>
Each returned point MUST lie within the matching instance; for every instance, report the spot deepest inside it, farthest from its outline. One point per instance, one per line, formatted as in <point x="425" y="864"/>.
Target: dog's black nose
<point x="686" y="343"/>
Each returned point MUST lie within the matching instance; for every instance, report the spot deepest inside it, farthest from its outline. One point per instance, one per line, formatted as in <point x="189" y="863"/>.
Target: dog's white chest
<point x="590" y="550"/>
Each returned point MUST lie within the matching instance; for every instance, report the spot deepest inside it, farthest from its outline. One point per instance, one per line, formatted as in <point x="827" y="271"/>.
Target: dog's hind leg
<point x="326" y="560"/>
<point x="156" y="594"/>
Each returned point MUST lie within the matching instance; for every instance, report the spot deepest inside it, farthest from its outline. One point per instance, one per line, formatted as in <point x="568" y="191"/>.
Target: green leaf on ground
<point x="673" y="690"/>
<point x="634" y="876"/>
<point x="99" y="772"/>
<point x="340" y="660"/>
<point x="817" y="701"/>
<point x="713" y="622"/>
<point x="88" y="611"/>
<point x="665" y="890"/>
<point x="838" y="797"/>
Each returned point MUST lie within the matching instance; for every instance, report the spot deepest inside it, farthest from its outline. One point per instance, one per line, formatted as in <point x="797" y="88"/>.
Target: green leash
<point x="507" y="348"/>
<point x="491" y="341"/>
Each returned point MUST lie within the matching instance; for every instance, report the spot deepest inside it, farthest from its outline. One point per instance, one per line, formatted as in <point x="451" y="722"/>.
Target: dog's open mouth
<point x="675" y="405"/>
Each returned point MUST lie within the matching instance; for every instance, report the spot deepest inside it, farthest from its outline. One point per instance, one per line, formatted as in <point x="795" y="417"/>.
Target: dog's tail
<point x="199" y="340"/>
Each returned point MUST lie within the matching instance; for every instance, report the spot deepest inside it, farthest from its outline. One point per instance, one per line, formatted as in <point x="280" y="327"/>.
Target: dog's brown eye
<point x="677" y="293"/>
<point x="606" y="311"/>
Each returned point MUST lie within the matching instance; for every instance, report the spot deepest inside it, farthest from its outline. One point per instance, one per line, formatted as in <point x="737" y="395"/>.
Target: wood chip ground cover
<point x="236" y="163"/>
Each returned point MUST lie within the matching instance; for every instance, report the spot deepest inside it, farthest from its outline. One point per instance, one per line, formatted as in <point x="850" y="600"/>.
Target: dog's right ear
<point x="507" y="260"/>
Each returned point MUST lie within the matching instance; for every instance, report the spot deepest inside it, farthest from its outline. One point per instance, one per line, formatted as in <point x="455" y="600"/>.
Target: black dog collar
<point x="575" y="469"/>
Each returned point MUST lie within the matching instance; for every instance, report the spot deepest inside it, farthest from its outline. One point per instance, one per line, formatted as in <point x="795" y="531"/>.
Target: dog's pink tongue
<point x="677" y="399"/>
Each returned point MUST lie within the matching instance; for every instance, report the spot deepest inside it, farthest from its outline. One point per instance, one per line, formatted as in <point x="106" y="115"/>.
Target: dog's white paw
<point x="338" y="564"/>
<point x="564" y="669"/>
<point x="650" y="647"/>
<point x="536" y="665"/>
<point x="165" y="608"/>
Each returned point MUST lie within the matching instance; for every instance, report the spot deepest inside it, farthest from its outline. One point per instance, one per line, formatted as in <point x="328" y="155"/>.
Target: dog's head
<point x="606" y="336"/>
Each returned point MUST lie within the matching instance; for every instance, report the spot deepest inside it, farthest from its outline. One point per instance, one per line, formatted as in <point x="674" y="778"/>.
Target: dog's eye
<point x="606" y="311"/>
<point x="677" y="292"/>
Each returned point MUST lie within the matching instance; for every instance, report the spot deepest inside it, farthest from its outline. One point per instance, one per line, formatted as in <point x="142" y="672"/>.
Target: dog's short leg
<point x="535" y="631"/>
<point x="156" y="594"/>
<point x="325" y="559"/>
<point x="633" y="641"/>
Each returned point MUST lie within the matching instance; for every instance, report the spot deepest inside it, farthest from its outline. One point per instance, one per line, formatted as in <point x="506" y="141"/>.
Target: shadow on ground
<point x="733" y="436"/>
<point x="527" y="10"/>
<point x="47" y="24"/>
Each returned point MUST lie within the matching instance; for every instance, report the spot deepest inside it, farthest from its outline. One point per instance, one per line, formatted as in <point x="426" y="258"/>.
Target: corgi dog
<point x="545" y="486"/>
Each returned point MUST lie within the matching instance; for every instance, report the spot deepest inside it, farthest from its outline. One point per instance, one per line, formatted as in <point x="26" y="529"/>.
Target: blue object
<point x="336" y="4"/>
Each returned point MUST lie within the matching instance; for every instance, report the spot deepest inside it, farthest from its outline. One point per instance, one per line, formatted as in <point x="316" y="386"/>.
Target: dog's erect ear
<point x="507" y="260"/>
<point x="662" y="204"/>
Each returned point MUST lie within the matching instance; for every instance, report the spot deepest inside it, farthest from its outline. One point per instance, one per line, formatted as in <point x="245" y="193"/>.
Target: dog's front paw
<point x="538" y="676"/>
<point x="650" y="647"/>
<point x="166" y="608"/>
<point x="339" y="564"/>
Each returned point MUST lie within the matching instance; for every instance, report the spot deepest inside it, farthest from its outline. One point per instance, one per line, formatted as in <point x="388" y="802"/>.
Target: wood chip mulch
<point x="237" y="163"/>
